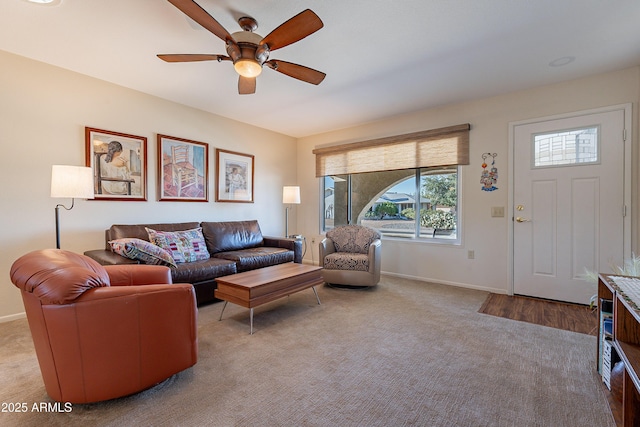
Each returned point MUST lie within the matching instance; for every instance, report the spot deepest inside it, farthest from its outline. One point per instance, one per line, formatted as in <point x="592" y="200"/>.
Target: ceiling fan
<point x="249" y="51"/>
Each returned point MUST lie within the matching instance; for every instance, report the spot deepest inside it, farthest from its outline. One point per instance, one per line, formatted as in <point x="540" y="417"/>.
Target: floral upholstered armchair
<point x="350" y="255"/>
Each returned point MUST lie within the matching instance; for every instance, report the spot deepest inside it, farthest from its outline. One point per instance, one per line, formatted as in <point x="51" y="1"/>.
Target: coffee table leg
<point x="223" y="307"/>
<point x="251" y="321"/>
<point x="316" y="292"/>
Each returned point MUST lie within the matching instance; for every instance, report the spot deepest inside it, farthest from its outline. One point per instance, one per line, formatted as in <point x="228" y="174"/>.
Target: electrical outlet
<point x="471" y="254"/>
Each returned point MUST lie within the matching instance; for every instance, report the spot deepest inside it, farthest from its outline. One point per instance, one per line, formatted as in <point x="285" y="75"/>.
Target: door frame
<point x="628" y="214"/>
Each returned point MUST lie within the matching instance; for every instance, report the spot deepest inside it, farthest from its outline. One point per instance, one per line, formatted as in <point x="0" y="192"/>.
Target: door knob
<point x="520" y="219"/>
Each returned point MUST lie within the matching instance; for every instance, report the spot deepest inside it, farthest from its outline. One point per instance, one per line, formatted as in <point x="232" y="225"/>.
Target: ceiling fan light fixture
<point x="249" y="51"/>
<point x="247" y="67"/>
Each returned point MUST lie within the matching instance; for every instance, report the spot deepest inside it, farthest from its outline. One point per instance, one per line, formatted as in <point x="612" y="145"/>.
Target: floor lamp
<point x="290" y="196"/>
<point x="70" y="182"/>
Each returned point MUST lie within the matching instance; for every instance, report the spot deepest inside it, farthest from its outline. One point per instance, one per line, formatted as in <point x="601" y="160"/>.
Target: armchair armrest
<point x="326" y="247"/>
<point x="294" y="245"/>
<point x="374" y="252"/>
<point x="107" y="257"/>
<point x="130" y="275"/>
<point x="137" y="291"/>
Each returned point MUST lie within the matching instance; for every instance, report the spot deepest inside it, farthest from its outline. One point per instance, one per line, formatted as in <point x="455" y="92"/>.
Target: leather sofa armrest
<point x="105" y="257"/>
<point x="294" y="245"/>
<point x="131" y="275"/>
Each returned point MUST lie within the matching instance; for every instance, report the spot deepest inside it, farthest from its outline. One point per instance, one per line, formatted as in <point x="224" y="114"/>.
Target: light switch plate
<point x="497" y="211"/>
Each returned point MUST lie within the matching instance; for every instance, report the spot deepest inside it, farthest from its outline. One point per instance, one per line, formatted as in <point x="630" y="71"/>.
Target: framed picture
<point x="183" y="170"/>
<point x="234" y="177"/>
<point x="119" y="163"/>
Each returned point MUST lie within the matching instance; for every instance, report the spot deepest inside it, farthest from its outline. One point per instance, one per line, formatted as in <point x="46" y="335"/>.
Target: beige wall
<point x="43" y="113"/>
<point x="489" y="119"/>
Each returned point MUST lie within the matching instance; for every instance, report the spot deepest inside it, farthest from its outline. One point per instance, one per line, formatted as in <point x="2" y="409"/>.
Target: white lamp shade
<point x="74" y="182"/>
<point x="291" y="195"/>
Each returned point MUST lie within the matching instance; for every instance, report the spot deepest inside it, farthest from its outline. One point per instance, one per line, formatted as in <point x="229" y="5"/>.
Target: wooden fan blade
<point x="192" y="57"/>
<point x="293" y="30"/>
<point x="246" y="85"/>
<point x="296" y="71"/>
<point x="198" y="14"/>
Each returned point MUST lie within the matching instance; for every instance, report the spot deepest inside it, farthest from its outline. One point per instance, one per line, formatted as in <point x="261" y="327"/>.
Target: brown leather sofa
<point x="104" y="332"/>
<point x="234" y="247"/>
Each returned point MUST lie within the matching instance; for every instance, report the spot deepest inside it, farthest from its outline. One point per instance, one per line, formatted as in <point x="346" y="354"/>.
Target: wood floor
<point x="559" y="315"/>
<point x="554" y="314"/>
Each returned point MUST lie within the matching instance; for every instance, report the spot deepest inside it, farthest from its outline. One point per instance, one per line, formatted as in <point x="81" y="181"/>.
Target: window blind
<point x="436" y="147"/>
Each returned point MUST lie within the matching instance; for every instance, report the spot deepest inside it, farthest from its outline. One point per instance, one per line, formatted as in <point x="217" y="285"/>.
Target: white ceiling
<point x="382" y="57"/>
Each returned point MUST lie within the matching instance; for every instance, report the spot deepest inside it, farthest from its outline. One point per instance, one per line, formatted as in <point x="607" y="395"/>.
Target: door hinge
<point x="624" y="134"/>
<point x="624" y="210"/>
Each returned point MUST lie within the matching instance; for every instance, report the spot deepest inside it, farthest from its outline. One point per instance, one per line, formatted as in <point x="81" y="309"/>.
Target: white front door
<point x="568" y="203"/>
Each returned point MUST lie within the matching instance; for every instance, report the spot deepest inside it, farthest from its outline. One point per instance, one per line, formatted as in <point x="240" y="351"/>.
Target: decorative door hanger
<point x="489" y="178"/>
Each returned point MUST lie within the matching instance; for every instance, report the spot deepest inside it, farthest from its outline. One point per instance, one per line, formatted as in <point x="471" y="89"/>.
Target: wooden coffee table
<point x="256" y="287"/>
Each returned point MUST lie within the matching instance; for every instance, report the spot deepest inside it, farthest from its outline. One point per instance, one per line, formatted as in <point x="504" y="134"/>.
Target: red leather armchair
<point x="102" y="332"/>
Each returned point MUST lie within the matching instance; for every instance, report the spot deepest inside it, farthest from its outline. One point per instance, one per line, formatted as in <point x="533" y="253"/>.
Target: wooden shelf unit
<point x="626" y="341"/>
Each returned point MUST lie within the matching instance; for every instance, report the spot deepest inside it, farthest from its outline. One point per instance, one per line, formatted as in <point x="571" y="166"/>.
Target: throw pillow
<point x="143" y="251"/>
<point x="184" y="246"/>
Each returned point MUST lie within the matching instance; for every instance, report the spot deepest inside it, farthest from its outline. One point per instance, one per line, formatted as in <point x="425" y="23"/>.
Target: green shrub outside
<point x="442" y="220"/>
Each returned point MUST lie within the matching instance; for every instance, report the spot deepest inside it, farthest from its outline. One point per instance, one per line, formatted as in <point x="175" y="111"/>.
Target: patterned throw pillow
<point x="184" y="246"/>
<point x="143" y="251"/>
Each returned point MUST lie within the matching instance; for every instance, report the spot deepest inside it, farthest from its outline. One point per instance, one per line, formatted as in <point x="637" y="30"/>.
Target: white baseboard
<point x="445" y="282"/>
<point x="12" y="317"/>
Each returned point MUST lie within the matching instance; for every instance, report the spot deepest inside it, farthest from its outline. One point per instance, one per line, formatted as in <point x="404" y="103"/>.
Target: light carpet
<point x="405" y="353"/>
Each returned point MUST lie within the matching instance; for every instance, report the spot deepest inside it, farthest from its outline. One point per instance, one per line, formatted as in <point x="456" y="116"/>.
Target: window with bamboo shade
<point x="437" y="147"/>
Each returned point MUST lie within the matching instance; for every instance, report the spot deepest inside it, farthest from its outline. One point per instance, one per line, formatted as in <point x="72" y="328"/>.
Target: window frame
<point x="417" y="237"/>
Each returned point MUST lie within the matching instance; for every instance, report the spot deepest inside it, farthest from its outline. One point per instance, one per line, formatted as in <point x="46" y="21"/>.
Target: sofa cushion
<point x="231" y="235"/>
<point x="204" y="270"/>
<point x="142" y="250"/>
<point x="252" y="258"/>
<point x="184" y="246"/>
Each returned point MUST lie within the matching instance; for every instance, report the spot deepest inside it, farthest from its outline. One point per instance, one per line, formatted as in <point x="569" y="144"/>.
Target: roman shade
<point x="436" y="147"/>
